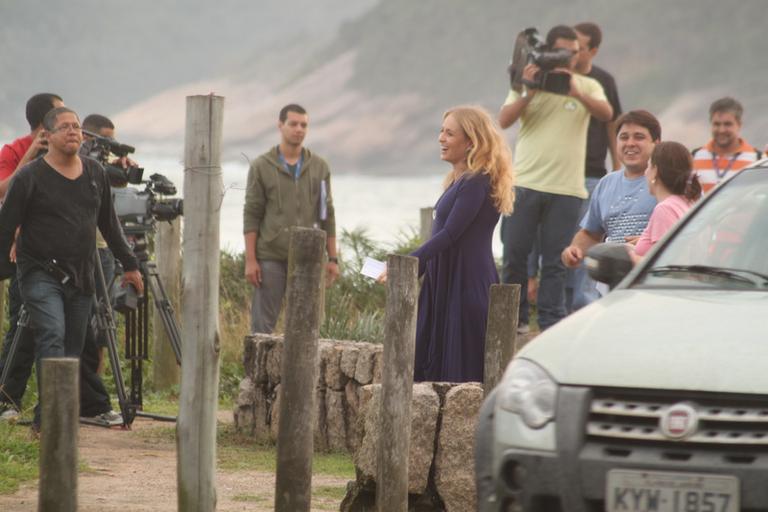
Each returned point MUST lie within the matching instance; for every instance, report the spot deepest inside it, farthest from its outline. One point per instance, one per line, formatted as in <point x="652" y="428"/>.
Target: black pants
<point x="94" y="397"/>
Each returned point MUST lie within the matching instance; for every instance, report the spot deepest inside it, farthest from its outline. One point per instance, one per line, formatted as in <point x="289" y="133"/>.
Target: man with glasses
<point x="13" y="156"/>
<point x="549" y="164"/>
<point x="58" y="201"/>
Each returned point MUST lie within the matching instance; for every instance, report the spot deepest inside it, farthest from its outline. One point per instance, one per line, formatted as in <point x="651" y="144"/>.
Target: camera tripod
<point x="136" y="338"/>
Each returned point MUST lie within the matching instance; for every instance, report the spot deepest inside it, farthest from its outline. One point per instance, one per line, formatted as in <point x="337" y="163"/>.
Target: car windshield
<point x="723" y="245"/>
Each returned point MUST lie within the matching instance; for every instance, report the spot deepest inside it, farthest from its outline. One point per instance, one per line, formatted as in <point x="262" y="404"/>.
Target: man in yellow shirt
<point x="549" y="167"/>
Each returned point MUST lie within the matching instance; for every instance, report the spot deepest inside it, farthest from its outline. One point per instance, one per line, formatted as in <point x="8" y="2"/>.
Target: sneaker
<point x="105" y="419"/>
<point x="8" y="413"/>
<point x="523" y="329"/>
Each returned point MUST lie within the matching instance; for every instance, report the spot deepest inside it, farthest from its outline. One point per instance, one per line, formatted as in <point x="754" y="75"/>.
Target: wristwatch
<point x="333" y="259"/>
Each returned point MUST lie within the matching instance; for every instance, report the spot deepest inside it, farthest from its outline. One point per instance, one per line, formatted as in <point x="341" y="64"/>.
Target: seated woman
<point x="675" y="186"/>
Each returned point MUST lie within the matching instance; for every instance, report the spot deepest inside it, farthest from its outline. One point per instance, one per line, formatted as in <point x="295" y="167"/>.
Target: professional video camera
<point x="136" y="209"/>
<point x="100" y="148"/>
<point x="530" y="48"/>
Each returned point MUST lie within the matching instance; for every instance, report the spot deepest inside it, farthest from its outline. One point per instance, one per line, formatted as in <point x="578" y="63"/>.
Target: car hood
<point x="663" y="339"/>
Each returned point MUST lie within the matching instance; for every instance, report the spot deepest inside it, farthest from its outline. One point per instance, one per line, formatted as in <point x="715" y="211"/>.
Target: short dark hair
<point x="642" y="118"/>
<point x="726" y="104"/>
<point x="39" y="105"/>
<point x="95" y="122"/>
<point x="592" y="31"/>
<point x="291" y="107"/>
<point x="560" y="32"/>
<point x="674" y="166"/>
<point x="49" y="121"/>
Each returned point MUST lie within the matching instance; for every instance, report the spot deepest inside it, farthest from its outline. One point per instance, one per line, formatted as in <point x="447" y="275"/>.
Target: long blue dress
<point x="458" y="268"/>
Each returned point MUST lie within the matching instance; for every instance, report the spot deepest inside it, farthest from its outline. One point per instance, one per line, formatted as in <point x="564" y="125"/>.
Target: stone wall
<point x="344" y="368"/>
<point x="443" y="420"/>
<point x="440" y="465"/>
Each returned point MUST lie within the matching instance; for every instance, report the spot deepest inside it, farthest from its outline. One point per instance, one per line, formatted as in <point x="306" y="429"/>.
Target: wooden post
<point x="501" y="332"/>
<point x="59" y="416"/>
<point x="397" y="384"/>
<point x="2" y="310"/>
<point x="293" y="486"/>
<point x="426" y="216"/>
<point x="165" y="370"/>
<point x="203" y="189"/>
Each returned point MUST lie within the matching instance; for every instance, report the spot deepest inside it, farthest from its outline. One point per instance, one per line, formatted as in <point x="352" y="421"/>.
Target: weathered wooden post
<point x="59" y="416"/>
<point x="426" y="216"/>
<point x="203" y="188"/>
<point x="165" y="370"/>
<point x="2" y="308"/>
<point x="397" y="384"/>
<point x="293" y="486"/>
<point x="501" y="332"/>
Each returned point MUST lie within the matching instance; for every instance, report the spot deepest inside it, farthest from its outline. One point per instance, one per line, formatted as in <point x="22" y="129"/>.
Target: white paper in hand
<point x="373" y="268"/>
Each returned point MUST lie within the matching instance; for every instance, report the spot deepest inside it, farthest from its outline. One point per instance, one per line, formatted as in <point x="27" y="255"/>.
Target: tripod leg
<point x="106" y="323"/>
<point x="164" y="307"/>
<point x="22" y="325"/>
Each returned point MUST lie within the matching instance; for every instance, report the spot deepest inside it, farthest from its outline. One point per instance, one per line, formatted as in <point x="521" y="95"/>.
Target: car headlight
<point x="526" y="389"/>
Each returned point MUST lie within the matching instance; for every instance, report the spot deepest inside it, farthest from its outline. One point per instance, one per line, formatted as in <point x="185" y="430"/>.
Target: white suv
<point x="654" y="398"/>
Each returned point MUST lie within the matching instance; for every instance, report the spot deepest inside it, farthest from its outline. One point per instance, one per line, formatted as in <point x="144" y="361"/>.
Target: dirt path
<point x="135" y="472"/>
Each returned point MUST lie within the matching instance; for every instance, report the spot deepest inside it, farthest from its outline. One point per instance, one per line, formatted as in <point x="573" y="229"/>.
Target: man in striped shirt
<point x="727" y="152"/>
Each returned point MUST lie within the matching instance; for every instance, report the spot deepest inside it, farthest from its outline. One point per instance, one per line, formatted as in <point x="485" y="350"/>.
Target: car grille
<point x="635" y="417"/>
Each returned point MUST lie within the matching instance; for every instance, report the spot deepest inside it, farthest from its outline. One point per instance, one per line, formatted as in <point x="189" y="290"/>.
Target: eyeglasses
<point x="66" y="127"/>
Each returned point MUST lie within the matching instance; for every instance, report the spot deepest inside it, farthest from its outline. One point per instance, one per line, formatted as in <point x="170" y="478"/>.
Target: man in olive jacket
<point x="287" y="186"/>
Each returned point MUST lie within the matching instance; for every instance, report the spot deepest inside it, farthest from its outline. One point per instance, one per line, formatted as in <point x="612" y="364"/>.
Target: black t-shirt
<point x="58" y="219"/>
<point x="597" y="137"/>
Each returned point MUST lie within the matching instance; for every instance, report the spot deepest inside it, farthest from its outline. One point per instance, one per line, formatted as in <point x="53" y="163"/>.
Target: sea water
<point x="385" y="205"/>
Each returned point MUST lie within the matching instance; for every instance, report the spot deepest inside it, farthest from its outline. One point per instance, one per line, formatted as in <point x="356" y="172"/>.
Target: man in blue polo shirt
<point x="621" y="204"/>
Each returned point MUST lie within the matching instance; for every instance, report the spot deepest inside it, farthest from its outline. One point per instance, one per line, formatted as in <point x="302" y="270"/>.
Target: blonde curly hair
<point x="489" y="154"/>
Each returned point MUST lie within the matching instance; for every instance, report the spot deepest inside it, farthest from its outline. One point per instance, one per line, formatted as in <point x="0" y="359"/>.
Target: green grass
<point x="251" y="498"/>
<point x="237" y="452"/>
<point x="334" y="492"/>
<point x="18" y="457"/>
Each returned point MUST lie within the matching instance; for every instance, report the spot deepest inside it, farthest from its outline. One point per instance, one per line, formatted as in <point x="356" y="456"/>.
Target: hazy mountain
<point x="106" y="55"/>
<point x="376" y="84"/>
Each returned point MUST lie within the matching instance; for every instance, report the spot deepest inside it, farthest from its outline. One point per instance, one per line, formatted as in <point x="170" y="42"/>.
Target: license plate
<point x="656" y="491"/>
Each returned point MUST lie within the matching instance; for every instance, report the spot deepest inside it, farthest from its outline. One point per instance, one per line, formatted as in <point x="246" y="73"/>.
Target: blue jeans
<point x="583" y="290"/>
<point x="554" y="217"/>
<point x="58" y="317"/>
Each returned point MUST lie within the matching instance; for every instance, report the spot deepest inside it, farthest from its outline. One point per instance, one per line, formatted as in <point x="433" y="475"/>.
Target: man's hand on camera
<point x="529" y="75"/>
<point x="124" y="162"/>
<point x="573" y="91"/>
<point x="133" y="277"/>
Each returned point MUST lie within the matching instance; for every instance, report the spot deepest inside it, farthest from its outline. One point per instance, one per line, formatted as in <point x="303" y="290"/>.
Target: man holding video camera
<point x="554" y="106"/>
<point x="58" y="201"/>
<point x="95" y="403"/>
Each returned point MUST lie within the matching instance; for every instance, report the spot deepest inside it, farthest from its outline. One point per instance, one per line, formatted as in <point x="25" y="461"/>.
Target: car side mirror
<point x="608" y="263"/>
